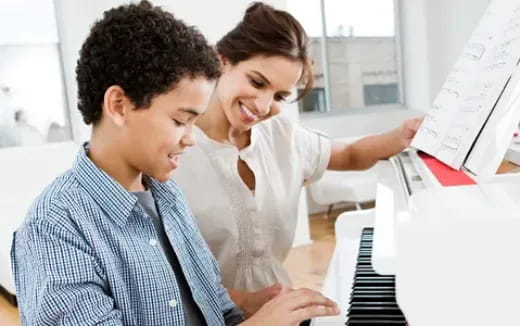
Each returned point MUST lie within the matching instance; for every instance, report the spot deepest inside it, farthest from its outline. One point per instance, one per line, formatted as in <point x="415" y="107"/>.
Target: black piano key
<point x="372" y="300"/>
<point x="377" y="277"/>
<point x="368" y="298"/>
<point x="376" y="310"/>
<point x="374" y="283"/>
<point x="380" y="317"/>
<point x="374" y="292"/>
<point x="378" y="307"/>
<point x="373" y="322"/>
<point x="376" y="288"/>
<point x="365" y="274"/>
<point x="365" y="268"/>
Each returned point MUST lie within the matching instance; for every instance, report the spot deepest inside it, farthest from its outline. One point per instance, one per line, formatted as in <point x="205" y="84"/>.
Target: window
<point x="380" y="94"/>
<point x="314" y="101"/>
<point x="354" y="48"/>
<point x="32" y="95"/>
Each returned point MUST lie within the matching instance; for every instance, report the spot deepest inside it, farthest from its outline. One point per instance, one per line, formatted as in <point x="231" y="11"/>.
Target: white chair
<point x="25" y="172"/>
<point x="344" y="186"/>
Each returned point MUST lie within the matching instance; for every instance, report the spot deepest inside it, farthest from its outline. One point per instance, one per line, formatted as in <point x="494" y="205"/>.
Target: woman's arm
<point x="365" y="152"/>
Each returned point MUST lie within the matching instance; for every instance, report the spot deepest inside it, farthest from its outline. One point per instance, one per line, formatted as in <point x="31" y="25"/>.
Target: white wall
<point x="21" y="26"/>
<point x="414" y="52"/>
<point x="433" y="34"/>
<point x="456" y="19"/>
<point x="74" y="20"/>
<point x="216" y="18"/>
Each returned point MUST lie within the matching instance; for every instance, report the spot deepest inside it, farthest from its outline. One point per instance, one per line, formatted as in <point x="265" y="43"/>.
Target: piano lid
<point x="392" y="203"/>
<point x="457" y="255"/>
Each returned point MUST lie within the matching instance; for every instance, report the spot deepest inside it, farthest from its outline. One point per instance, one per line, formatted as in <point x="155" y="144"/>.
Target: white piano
<point x="408" y="196"/>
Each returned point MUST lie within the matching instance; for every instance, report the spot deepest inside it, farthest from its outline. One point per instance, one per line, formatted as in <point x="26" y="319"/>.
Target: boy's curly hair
<point x="144" y="50"/>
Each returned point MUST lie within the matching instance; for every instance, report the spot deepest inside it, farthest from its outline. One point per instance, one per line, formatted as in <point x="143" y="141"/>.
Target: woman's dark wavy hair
<point x="268" y="32"/>
<point x="144" y="50"/>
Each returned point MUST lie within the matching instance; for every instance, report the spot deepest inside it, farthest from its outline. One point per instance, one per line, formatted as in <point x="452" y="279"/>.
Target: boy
<point x="112" y="241"/>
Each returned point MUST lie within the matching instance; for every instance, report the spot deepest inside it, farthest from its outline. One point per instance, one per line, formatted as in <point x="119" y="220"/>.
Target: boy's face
<point x="155" y="137"/>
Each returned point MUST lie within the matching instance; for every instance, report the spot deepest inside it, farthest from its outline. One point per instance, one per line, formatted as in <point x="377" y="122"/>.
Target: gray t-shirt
<point x="192" y="313"/>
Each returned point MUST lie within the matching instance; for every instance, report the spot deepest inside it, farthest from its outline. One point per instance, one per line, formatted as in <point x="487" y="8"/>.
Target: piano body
<point x="373" y="271"/>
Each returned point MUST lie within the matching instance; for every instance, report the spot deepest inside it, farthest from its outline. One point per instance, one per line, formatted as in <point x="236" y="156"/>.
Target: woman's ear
<point x="224" y="62"/>
<point x="116" y="105"/>
<point x="222" y="59"/>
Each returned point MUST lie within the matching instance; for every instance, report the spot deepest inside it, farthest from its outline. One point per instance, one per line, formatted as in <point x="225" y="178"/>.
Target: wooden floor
<point x="8" y="313"/>
<point x="307" y="265"/>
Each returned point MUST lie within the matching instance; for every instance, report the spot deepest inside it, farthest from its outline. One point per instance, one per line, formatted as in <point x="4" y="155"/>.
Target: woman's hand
<point x="407" y="131"/>
<point x="250" y="302"/>
<point x="291" y="307"/>
<point x="364" y="153"/>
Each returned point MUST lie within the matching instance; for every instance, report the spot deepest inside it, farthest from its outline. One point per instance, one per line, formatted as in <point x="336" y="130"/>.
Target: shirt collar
<point x="114" y="199"/>
<point x="204" y="140"/>
<point x="162" y="192"/>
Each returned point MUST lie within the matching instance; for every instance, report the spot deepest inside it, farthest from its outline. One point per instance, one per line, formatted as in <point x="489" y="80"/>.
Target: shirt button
<point x="153" y="242"/>
<point x="172" y="303"/>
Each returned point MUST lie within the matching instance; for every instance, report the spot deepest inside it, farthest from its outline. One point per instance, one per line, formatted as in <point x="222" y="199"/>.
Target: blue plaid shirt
<point x="87" y="254"/>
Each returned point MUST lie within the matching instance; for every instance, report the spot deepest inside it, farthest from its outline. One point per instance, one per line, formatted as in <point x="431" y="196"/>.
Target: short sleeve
<point x="313" y="149"/>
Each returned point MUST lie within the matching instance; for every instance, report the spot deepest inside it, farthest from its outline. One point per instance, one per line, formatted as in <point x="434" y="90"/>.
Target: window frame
<point x="324" y="51"/>
<point x="57" y="43"/>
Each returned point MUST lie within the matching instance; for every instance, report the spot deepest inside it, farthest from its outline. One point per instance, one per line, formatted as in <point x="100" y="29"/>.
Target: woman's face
<point x="253" y="90"/>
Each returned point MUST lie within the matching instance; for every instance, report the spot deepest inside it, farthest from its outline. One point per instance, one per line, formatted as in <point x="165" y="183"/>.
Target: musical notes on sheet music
<point x="474" y="85"/>
<point x="451" y="91"/>
<point x="474" y="51"/>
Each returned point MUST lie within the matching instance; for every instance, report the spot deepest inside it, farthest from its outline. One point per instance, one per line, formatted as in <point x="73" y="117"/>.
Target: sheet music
<point x="474" y="85"/>
<point x="495" y="137"/>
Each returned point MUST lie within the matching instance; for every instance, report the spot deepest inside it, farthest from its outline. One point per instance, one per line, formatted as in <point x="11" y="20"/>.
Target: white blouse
<point x="250" y="233"/>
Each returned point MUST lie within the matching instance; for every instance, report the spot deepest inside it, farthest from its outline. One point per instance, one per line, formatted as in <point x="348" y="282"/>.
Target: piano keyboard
<point x="413" y="181"/>
<point x="372" y="301"/>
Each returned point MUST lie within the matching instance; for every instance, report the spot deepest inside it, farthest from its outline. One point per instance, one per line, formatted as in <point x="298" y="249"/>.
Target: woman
<point x="244" y="178"/>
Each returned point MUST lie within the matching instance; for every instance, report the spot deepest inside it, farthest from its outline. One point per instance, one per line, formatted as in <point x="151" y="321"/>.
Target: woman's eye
<point x="280" y="98"/>
<point x="178" y="123"/>
<point x="256" y="83"/>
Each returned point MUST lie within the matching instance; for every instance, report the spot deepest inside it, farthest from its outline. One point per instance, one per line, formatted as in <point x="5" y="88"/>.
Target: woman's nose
<point x="263" y="104"/>
<point x="188" y="139"/>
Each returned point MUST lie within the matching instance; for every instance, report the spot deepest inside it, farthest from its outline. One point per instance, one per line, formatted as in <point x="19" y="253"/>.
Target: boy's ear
<point x="116" y="105"/>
